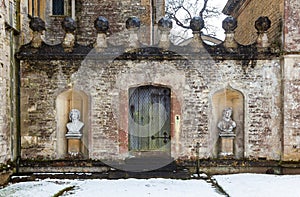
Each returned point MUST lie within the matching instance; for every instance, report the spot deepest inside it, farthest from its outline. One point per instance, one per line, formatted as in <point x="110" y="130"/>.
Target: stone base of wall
<point x="97" y="169"/>
<point x="5" y="177"/>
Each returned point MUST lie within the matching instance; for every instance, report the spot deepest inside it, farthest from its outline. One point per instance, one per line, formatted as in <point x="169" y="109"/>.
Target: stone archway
<point x="149" y="118"/>
<point x="222" y="99"/>
<point x="71" y="99"/>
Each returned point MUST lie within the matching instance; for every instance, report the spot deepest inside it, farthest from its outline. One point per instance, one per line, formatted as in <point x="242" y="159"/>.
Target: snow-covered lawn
<point x="112" y="188"/>
<point x="260" y="185"/>
<point x="236" y="185"/>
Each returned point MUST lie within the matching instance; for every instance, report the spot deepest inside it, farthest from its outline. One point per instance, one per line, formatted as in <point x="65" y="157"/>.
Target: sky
<point x="218" y="21"/>
<point x="179" y="34"/>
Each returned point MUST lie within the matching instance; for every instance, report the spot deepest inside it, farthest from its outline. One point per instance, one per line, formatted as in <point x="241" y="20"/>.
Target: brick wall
<point x="251" y="11"/>
<point x="291" y="87"/>
<point x="106" y="83"/>
<point x="291" y="78"/>
<point x="38" y="96"/>
<point x="4" y="87"/>
<point x="292" y="22"/>
<point x="115" y="11"/>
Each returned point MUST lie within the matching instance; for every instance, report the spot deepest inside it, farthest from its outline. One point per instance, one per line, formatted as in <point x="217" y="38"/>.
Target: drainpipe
<point x="17" y="95"/>
<point x="197" y="157"/>
<point x="73" y="10"/>
<point x="153" y="18"/>
<point x="18" y="115"/>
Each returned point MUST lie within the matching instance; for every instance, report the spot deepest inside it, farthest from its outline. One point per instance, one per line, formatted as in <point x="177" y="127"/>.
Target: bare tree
<point x="182" y="11"/>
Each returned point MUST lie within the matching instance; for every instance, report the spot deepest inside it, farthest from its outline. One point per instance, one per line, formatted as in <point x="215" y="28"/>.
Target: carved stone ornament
<point x="101" y="24"/>
<point x="69" y="25"/>
<point x="226" y="125"/>
<point x="133" y="23"/>
<point x="197" y="24"/>
<point x="229" y="24"/>
<point x="74" y="127"/>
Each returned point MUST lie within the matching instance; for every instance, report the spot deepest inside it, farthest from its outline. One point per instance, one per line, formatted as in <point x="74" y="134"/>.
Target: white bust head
<point x="74" y="115"/>
<point x="75" y="125"/>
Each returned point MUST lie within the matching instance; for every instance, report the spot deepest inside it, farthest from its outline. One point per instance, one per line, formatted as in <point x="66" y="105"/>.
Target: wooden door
<point x="149" y="118"/>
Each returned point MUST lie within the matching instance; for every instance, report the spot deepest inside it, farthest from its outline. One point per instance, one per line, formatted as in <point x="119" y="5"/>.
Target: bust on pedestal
<point x="74" y="132"/>
<point x="226" y="126"/>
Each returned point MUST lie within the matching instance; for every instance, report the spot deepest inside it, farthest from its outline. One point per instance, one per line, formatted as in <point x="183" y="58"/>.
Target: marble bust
<point x="226" y="125"/>
<point x="74" y="127"/>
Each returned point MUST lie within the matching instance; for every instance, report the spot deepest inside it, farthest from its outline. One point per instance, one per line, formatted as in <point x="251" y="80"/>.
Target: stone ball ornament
<point x="262" y="24"/>
<point x="229" y="24"/>
<point x="165" y="24"/>
<point x="133" y="23"/>
<point x="69" y="25"/>
<point x="37" y="24"/>
<point x="101" y="24"/>
<point x="197" y="24"/>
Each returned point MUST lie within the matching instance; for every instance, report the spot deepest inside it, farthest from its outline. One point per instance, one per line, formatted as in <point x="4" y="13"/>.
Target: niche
<point x="222" y="99"/>
<point x="71" y="99"/>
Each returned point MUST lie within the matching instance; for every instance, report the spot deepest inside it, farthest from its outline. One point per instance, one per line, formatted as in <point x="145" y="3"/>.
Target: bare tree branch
<point x="182" y="11"/>
<point x="203" y="8"/>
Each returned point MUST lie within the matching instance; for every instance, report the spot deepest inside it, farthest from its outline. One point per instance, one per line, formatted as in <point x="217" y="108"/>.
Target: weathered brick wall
<point x="4" y="86"/>
<point x="291" y="24"/>
<point x="291" y="78"/>
<point x="41" y="83"/>
<point x="25" y="32"/>
<point x="115" y="11"/>
<point x="291" y="81"/>
<point x="251" y="11"/>
<point x="107" y="84"/>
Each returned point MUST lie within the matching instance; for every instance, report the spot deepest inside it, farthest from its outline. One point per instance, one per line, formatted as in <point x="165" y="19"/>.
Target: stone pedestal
<point x="74" y="143"/>
<point x="227" y="145"/>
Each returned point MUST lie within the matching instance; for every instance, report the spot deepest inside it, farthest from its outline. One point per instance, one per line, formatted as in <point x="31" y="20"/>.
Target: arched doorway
<point x="149" y="119"/>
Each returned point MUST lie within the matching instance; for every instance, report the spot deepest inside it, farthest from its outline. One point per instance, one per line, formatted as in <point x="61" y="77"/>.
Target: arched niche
<point x="222" y="99"/>
<point x="71" y="99"/>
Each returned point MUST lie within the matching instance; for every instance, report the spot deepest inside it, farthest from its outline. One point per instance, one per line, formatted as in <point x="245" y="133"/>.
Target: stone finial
<point x="262" y="24"/>
<point x="229" y="24"/>
<point x="38" y="26"/>
<point x="133" y="24"/>
<point x="102" y="25"/>
<point x="69" y="25"/>
<point x="196" y="24"/>
<point x="165" y="24"/>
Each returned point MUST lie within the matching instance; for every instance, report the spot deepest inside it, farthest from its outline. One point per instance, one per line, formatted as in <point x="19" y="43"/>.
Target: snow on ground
<point x="236" y="185"/>
<point x="260" y="185"/>
<point x="112" y="188"/>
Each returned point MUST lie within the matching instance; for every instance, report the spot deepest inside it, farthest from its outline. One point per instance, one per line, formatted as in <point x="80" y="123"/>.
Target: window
<point x="37" y="8"/>
<point x="58" y="7"/>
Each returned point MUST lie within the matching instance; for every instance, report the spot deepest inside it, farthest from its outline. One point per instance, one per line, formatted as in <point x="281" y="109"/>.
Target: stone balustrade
<point x="133" y="24"/>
